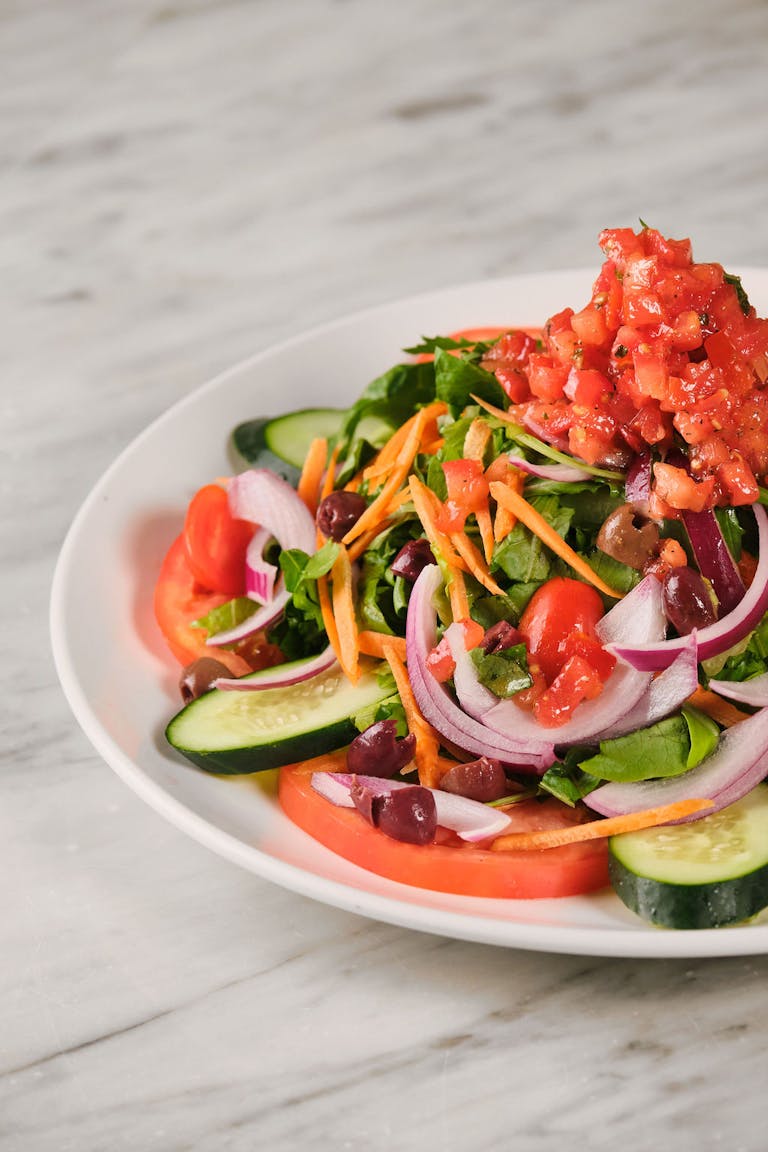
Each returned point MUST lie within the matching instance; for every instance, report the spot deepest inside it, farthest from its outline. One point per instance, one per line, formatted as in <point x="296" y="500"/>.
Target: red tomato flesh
<point x="451" y="866"/>
<point x="216" y="542"/>
<point x="179" y="600"/>
<point x="556" y="610"/>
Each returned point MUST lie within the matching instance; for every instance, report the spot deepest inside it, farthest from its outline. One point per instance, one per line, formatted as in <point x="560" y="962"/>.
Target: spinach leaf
<point x="300" y="632"/>
<point x="457" y="380"/>
<point x="566" y="780"/>
<point x="521" y="555"/>
<point x="744" y="660"/>
<point x="661" y="750"/>
<point x="731" y="529"/>
<point x="613" y="572"/>
<point x="394" y="396"/>
<point x="505" y="672"/>
<point x="227" y="615"/>
<point x="703" y="734"/>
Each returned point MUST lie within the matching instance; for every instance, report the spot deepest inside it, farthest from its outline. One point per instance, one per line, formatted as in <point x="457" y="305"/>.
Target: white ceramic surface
<point x="120" y="680"/>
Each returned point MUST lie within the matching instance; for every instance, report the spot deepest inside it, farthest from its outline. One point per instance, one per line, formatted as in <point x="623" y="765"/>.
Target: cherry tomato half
<point x="556" y="610"/>
<point x="216" y="542"/>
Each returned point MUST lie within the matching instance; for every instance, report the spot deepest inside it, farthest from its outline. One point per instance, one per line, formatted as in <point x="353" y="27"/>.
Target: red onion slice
<point x="473" y="696"/>
<point x="665" y="693"/>
<point x="718" y="637"/>
<point x="563" y="472"/>
<point x="737" y="765"/>
<point x="638" y="615"/>
<point x="714" y="559"/>
<point x="469" y="819"/>
<point x="259" y="575"/>
<point x="637" y="486"/>
<point x="296" y="672"/>
<point x="271" y="504"/>
<point x="436" y="705"/>
<point x="753" y="692"/>
<point x="262" y="618"/>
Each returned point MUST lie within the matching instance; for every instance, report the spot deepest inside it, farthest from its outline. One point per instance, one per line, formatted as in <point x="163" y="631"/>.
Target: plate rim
<point x="640" y="942"/>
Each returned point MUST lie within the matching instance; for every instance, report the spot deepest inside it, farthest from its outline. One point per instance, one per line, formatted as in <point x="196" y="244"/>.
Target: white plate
<point x="121" y="683"/>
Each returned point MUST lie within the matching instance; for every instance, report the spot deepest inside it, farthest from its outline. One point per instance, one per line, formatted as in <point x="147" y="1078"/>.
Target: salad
<point x="502" y="624"/>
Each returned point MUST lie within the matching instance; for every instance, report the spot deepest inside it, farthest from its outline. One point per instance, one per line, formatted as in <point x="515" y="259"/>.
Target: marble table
<point x="185" y="183"/>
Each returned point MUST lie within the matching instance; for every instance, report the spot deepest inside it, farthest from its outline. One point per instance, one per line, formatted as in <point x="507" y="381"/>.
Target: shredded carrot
<point x="390" y="453"/>
<point x="431" y="447"/>
<point x="597" y="829"/>
<point x="485" y="524"/>
<point x="424" y="501"/>
<point x="457" y="594"/>
<point x="330" y="474"/>
<point x="343" y="600"/>
<point x="474" y="562"/>
<point x="372" y="644"/>
<point x="533" y="520"/>
<point x="720" y="710"/>
<point x="505" y="520"/>
<point x="427" y="741"/>
<point x="376" y="511"/>
<point x="329" y="623"/>
<point x="312" y="473"/>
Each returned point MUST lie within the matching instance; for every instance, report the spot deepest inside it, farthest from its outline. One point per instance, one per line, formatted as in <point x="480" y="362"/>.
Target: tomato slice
<point x="452" y="866"/>
<point x="216" y="542"/>
<point x="180" y="599"/>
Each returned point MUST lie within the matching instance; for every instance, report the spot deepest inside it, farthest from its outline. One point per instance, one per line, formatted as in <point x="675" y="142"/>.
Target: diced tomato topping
<point x="467" y="492"/>
<point x="591" y="650"/>
<point x="576" y="682"/>
<point x="440" y="662"/>
<point x="663" y="349"/>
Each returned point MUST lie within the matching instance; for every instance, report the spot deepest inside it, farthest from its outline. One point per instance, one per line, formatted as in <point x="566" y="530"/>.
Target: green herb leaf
<point x="227" y="615"/>
<point x="393" y="397"/>
<point x="504" y="673"/>
<point x="456" y="381"/>
<point x="731" y="529"/>
<point x="703" y="733"/>
<point x="659" y="751"/>
<point x="566" y="780"/>
<point x="521" y="555"/>
<point x="743" y="299"/>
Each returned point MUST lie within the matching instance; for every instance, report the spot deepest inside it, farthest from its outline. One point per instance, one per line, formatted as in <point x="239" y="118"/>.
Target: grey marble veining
<point x="182" y="184"/>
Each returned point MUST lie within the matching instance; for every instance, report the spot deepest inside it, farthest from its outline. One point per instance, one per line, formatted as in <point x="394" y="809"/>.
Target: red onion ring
<point x="637" y="486"/>
<point x="718" y="637"/>
<point x="753" y="692"/>
<point x="271" y="504"/>
<point x="296" y="672"/>
<point x="714" y="559"/>
<point x="737" y="765"/>
<point x="437" y="706"/>
<point x="259" y="576"/>
<point x="665" y="693"/>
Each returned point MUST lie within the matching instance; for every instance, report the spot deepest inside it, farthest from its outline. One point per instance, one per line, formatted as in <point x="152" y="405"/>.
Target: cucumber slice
<point x="705" y="874"/>
<point x="281" y="443"/>
<point x="241" y="732"/>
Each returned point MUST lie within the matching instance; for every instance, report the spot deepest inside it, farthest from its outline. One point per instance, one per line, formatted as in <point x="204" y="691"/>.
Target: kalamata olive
<point x="198" y="677"/>
<point x="339" y="512"/>
<point x="407" y="814"/>
<point x="481" y="779"/>
<point x="412" y="559"/>
<point x="378" y="752"/>
<point x="687" y="602"/>
<point x="500" y="637"/>
<point x="628" y="537"/>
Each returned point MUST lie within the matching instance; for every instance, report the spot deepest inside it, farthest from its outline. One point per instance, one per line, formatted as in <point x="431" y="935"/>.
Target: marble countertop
<point x="185" y="183"/>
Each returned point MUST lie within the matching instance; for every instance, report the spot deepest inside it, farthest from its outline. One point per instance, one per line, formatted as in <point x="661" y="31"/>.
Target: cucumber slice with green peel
<point x="280" y="443"/>
<point x="704" y="874"/>
<point x="237" y="732"/>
